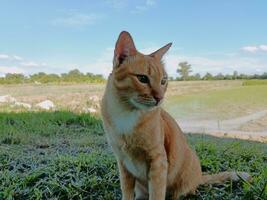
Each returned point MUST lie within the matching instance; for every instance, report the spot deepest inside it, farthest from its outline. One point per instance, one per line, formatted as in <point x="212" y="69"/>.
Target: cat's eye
<point x="163" y="81"/>
<point x="143" y="78"/>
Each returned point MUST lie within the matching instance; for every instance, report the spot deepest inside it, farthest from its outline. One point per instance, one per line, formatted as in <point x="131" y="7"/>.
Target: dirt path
<point x="231" y="127"/>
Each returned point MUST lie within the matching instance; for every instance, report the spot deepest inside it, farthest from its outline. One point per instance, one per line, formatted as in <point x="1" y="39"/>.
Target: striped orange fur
<point x="153" y="156"/>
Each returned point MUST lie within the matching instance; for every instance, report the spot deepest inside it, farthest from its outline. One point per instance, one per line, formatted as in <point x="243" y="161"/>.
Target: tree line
<point x="184" y="70"/>
<point x="73" y="76"/>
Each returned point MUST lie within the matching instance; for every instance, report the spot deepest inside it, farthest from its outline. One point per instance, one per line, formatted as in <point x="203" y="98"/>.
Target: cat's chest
<point x="125" y="122"/>
<point x="130" y="151"/>
<point x="137" y="167"/>
<point x="134" y="159"/>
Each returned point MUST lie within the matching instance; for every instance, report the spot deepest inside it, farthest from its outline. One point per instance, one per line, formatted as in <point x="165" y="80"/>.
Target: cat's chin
<point x="140" y="106"/>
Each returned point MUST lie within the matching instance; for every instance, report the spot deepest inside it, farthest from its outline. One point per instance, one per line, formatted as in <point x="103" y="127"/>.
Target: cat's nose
<point x="158" y="98"/>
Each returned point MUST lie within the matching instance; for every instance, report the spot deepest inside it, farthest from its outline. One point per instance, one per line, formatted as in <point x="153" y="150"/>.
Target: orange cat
<point x="153" y="156"/>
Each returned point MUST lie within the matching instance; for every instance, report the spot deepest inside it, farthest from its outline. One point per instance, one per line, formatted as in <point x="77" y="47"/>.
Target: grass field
<point x="192" y="99"/>
<point x="255" y="82"/>
<point x="220" y="104"/>
<point x="74" y="97"/>
<point x="62" y="155"/>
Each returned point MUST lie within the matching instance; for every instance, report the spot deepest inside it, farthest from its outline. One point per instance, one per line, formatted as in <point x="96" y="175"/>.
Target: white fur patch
<point x="240" y="175"/>
<point x="123" y="120"/>
<point x="138" y="169"/>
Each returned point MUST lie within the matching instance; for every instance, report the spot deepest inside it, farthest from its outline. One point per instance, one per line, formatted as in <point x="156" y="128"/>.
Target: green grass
<point x="255" y="82"/>
<point x="62" y="155"/>
<point x="26" y="127"/>
<point x="220" y="104"/>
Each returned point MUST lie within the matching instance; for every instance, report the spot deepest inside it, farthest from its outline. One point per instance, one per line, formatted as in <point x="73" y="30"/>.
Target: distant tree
<point x="255" y="76"/>
<point x="197" y="76"/>
<point x="89" y="74"/>
<point x="15" y="78"/>
<point x="75" y="72"/>
<point x="219" y="76"/>
<point x="194" y="77"/>
<point x="178" y="78"/>
<point x="184" y="70"/>
<point x="243" y="76"/>
<point x="228" y="77"/>
<point x="208" y="76"/>
<point x="73" y="76"/>
<point x="170" y="78"/>
<point x="264" y="75"/>
<point x="51" y="78"/>
<point x="40" y="77"/>
<point x="235" y="75"/>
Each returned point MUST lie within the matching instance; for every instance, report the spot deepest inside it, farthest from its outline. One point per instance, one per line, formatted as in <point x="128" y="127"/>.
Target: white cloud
<point x="33" y="64"/>
<point x="10" y="57"/>
<point x="17" y="64"/>
<point x="141" y="8"/>
<point x="77" y="20"/>
<point x="225" y="65"/>
<point x="4" y="57"/>
<point x="18" y="58"/>
<point x="253" y="49"/>
<point x="150" y="2"/>
<point x="103" y="65"/>
<point x="215" y="63"/>
<point x="10" y="69"/>
<point x="117" y="4"/>
<point x="250" y="49"/>
<point x="263" y="47"/>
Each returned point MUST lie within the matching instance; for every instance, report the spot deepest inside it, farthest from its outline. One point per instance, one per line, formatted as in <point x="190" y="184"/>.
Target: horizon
<point x="55" y="37"/>
<point x="191" y="74"/>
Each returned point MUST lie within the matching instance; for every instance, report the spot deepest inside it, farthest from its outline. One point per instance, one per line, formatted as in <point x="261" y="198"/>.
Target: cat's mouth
<point x="144" y="102"/>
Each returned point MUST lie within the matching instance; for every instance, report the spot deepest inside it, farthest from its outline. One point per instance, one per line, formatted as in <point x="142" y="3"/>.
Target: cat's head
<point x="140" y="80"/>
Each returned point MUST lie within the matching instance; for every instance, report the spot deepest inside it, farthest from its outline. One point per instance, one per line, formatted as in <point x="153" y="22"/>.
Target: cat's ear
<point x="124" y="47"/>
<point x="160" y="53"/>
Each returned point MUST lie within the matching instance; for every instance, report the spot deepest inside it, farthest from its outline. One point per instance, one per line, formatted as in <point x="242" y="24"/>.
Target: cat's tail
<point x="225" y="176"/>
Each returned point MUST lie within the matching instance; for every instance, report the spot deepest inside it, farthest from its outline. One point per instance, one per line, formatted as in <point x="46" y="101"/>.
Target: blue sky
<point x="56" y="36"/>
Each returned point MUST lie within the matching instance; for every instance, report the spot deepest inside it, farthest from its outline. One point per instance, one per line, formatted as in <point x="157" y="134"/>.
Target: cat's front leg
<point x="158" y="177"/>
<point x="127" y="182"/>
